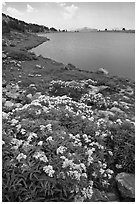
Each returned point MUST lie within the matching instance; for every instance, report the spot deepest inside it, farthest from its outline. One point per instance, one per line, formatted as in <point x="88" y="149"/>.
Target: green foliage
<point x="123" y="146"/>
<point x="21" y="55"/>
<point x="61" y="148"/>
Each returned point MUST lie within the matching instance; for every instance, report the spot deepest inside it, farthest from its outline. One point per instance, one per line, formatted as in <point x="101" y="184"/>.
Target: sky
<point x="74" y="15"/>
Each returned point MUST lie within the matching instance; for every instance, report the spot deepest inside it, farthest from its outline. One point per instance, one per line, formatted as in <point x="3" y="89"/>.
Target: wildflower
<point x="84" y="175"/>
<point x="82" y="165"/>
<point x="42" y="127"/>
<point x="118" y="166"/>
<point x="83" y="117"/>
<point x="67" y="163"/>
<point x="5" y="115"/>
<point x="49" y="127"/>
<point x="41" y="156"/>
<point x="104" y="165"/>
<point x="94" y="174"/>
<point x="61" y="149"/>
<point x="24" y="167"/>
<point x="104" y="182"/>
<point x="23" y="131"/>
<point x="40" y="143"/>
<point x="21" y="156"/>
<point x="87" y="192"/>
<point x="26" y="146"/>
<point x="119" y="121"/>
<point x="17" y="142"/>
<point x="110" y="153"/>
<point x="31" y="136"/>
<point x="102" y="171"/>
<point x="75" y="174"/>
<point x="3" y="142"/>
<point x="49" y="139"/>
<point x="18" y="127"/>
<point x="38" y="112"/>
<point x="49" y="170"/>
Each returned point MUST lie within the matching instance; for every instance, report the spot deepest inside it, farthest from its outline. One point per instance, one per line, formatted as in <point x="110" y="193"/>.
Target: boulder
<point x="3" y="100"/>
<point x="18" y="105"/>
<point x="36" y="96"/>
<point x="93" y="89"/>
<point x="29" y="96"/>
<point x="115" y="109"/>
<point x="106" y="113"/>
<point x="38" y="66"/>
<point x="70" y="66"/>
<point x="126" y="184"/>
<point x="4" y="56"/>
<point x="4" y="83"/>
<point x="103" y="71"/>
<point x="102" y="196"/>
<point x="32" y="85"/>
<point x="4" y="115"/>
<point x="9" y="104"/>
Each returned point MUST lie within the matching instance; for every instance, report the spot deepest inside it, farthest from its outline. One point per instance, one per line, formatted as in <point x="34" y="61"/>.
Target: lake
<point x="91" y="51"/>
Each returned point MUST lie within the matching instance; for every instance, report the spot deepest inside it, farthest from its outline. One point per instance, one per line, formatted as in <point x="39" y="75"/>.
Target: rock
<point x="106" y="113"/>
<point x="115" y="109"/>
<point x="32" y="85"/>
<point x="3" y="100"/>
<point x="4" y="56"/>
<point x="18" y="105"/>
<point x="125" y="97"/>
<point x="12" y="95"/>
<point x="93" y="89"/>
<point x="4" y="83"/>
<point x="101" y="88"/>
<point x="9" y="104"/>
<point x="103" y="71"/>
<point x="38" y="66"/>
<point x="70" y="66"/>
<point x="102" y="196"/>
<point x="126" y="185"/>
<point x="19" y="65"/>
<point x="115" y="103"/>
<point x="36" y="96"/>
<point x="4" y="115"/>
<point x="29" y="96"/>
<point x="38" y="75"/>
<point x="31" y="75"/>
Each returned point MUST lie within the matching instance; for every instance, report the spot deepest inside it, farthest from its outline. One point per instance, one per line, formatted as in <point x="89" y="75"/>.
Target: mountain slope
<point x="9" y="23"/>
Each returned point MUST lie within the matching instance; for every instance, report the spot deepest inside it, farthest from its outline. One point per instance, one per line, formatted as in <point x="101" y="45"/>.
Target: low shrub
<point x="44" y="161"/>
<point x="21" y="55"/>
<point x="122" y="144"/>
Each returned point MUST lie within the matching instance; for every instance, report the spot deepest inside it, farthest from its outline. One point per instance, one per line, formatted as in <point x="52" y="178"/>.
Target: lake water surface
<point x="91" y="51"/>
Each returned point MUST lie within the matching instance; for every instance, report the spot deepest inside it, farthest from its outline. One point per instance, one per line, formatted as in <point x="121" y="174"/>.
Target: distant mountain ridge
<point x="86" y="29"/>
<point x="9" y="23"/>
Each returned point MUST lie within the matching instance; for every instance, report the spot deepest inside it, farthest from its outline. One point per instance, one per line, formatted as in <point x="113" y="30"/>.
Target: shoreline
<point x="51" y="67"/>
<point x="80" y="69"/>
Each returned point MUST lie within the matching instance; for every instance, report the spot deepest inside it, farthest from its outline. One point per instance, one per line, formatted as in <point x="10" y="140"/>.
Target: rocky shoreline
<point x="28" y="79"/>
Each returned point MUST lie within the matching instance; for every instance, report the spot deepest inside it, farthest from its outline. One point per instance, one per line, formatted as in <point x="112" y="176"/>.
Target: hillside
<point x="68" y="135"/>
<point x="9" y="23"/>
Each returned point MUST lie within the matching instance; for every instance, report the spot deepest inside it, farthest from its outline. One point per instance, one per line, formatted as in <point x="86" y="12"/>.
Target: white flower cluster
<point x="41" y="156"/>
<point x="88" y="192"/>
<point x="94" y="99"/>
<point x="61" y="150"/>
<point x="59" y="102"/>
<point x="21" y="156"/>
<point x="49" y="127"/>
<point x="49" y="170"/>
<point x="76" y="171"/>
